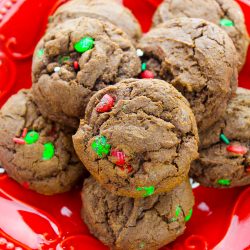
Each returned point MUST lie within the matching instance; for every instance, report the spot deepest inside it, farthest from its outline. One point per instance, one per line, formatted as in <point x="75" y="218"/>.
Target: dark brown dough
<point x="25" y="163"/>
<point x="126" y="223"/>
<point x="199" y="59"/>
<point x="213" y="11"/>
<point x="153" y="125"/>
<point x="62" y="96"/>
<point x="215" y="162"/>
<point x="107" y="10"/>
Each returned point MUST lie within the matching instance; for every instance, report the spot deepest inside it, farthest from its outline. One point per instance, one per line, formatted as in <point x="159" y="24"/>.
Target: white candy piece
<point x="2" y="170"/>
<point x="57" y="69"/>
<point x="193" y="183"/>
<point x="139" y="52"/>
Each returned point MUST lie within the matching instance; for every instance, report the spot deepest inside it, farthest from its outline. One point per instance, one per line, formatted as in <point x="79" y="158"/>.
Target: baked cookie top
<point x="75" y="59"/>
<point x="107" y="10"/>
<point x="199" y="59"/>
<point x="35" y="151"/>
<point x="225" y="148"/>
<point x="225" y="13"/>
<point x="138" y="137"/>
<point x="126" y="223"/>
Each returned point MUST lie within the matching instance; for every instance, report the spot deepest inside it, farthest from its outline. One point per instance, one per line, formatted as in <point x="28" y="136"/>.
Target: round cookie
<point x="199" y="59"/>
<point x="74" y="60"/>
<point x="34" y="151"/>
<point x="138" y="138"/>
<point x="107" y="10"/>
<point x="225" y="148"/>
<point x="225" y="13"/>
<point x="127" y="223"/>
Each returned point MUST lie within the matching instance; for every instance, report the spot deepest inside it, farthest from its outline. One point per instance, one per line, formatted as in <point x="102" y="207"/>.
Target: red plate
<point x="221" y="218"/>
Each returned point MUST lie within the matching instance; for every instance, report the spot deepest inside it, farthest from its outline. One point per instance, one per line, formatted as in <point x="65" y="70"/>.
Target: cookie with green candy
<point x="225" y="13"/>
<point x="225" y="147"/>
<point x="127" y="223"/>
<point x="80" y="56"/>
<point x="107" y="10"/>
<point x="34" y="151"/>
<point x="138" y="137"/>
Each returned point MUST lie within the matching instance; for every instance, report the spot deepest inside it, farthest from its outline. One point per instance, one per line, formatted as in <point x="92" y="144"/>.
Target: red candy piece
<point x="76" y="65"/>
<point x="121" y="160"/>
<point x="106" y="104"/>
<point x="248" y="169"/>
<point x="25" y="131"/>
<point x="239" y="150"/>
<point x="147" y="74"/>
<point x="120" y="157"/>
<point x="18" y="141"/>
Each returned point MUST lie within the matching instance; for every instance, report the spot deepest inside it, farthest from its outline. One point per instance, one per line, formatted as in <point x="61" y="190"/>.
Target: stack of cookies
<point x="138" y="140"/>
<point x="208" y="81"/>
<point x="79" y="54"/>
<point x="135" y="108"/>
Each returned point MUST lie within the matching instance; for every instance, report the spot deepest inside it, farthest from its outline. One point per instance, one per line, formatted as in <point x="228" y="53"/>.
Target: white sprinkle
<point x="2" y="170"/>
<point x="66" y="212"/>
<point x="18" y="248"/>
<point x="10" y="245"/>
<point x="193" y="183"/>
<point x="203" y="207"/>
<point x="57" y="69"/>
<point x="139" y="52"/>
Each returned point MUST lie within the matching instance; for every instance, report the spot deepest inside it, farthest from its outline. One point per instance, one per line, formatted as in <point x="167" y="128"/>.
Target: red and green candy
<point x="32" y="137"/>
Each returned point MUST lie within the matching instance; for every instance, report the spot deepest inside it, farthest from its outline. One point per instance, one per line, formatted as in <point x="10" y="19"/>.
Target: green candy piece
<point x="224" y="139"/>
<point x="49" y="151"/>
<point x="100" y="146"/>
<point x="188" y="217"/>
<point x="224" y="182"/>
<point x="148" y="190"/>
<point x="31" y="137"/>
<point x="40" y="53"/>
<point x="226" y="22"/>
<point x="177" y="211"/>
<point x="84" y="44"/>
<point x="143" y="66"/>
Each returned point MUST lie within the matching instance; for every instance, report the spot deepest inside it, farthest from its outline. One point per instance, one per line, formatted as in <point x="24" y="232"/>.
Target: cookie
<point x="74" y="60"/>
<point x="127" y="223"/>
<point x="107" y="10"/>
<point x="225" y="148"/>
<point x="225" y="13"/>
<point x="199" y="59"/>
<point x="138" y="137"/>
<point x="34" y="151"/>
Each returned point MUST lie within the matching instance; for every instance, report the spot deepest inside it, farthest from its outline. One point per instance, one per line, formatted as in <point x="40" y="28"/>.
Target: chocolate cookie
<point x="225" y="148"/>
<point x="127" y="223"/>
<point x="225" y="13"/>
<point x="199" y="59"/>
<point x="74" y="60"/>
<point x="107" y="10"/>
<point x="34" y="151"/>
<point x="138" y="138"/>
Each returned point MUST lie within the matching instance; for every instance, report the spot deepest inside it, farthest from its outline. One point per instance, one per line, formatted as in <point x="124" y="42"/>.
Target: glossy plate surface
<point x="221" y="218"/>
